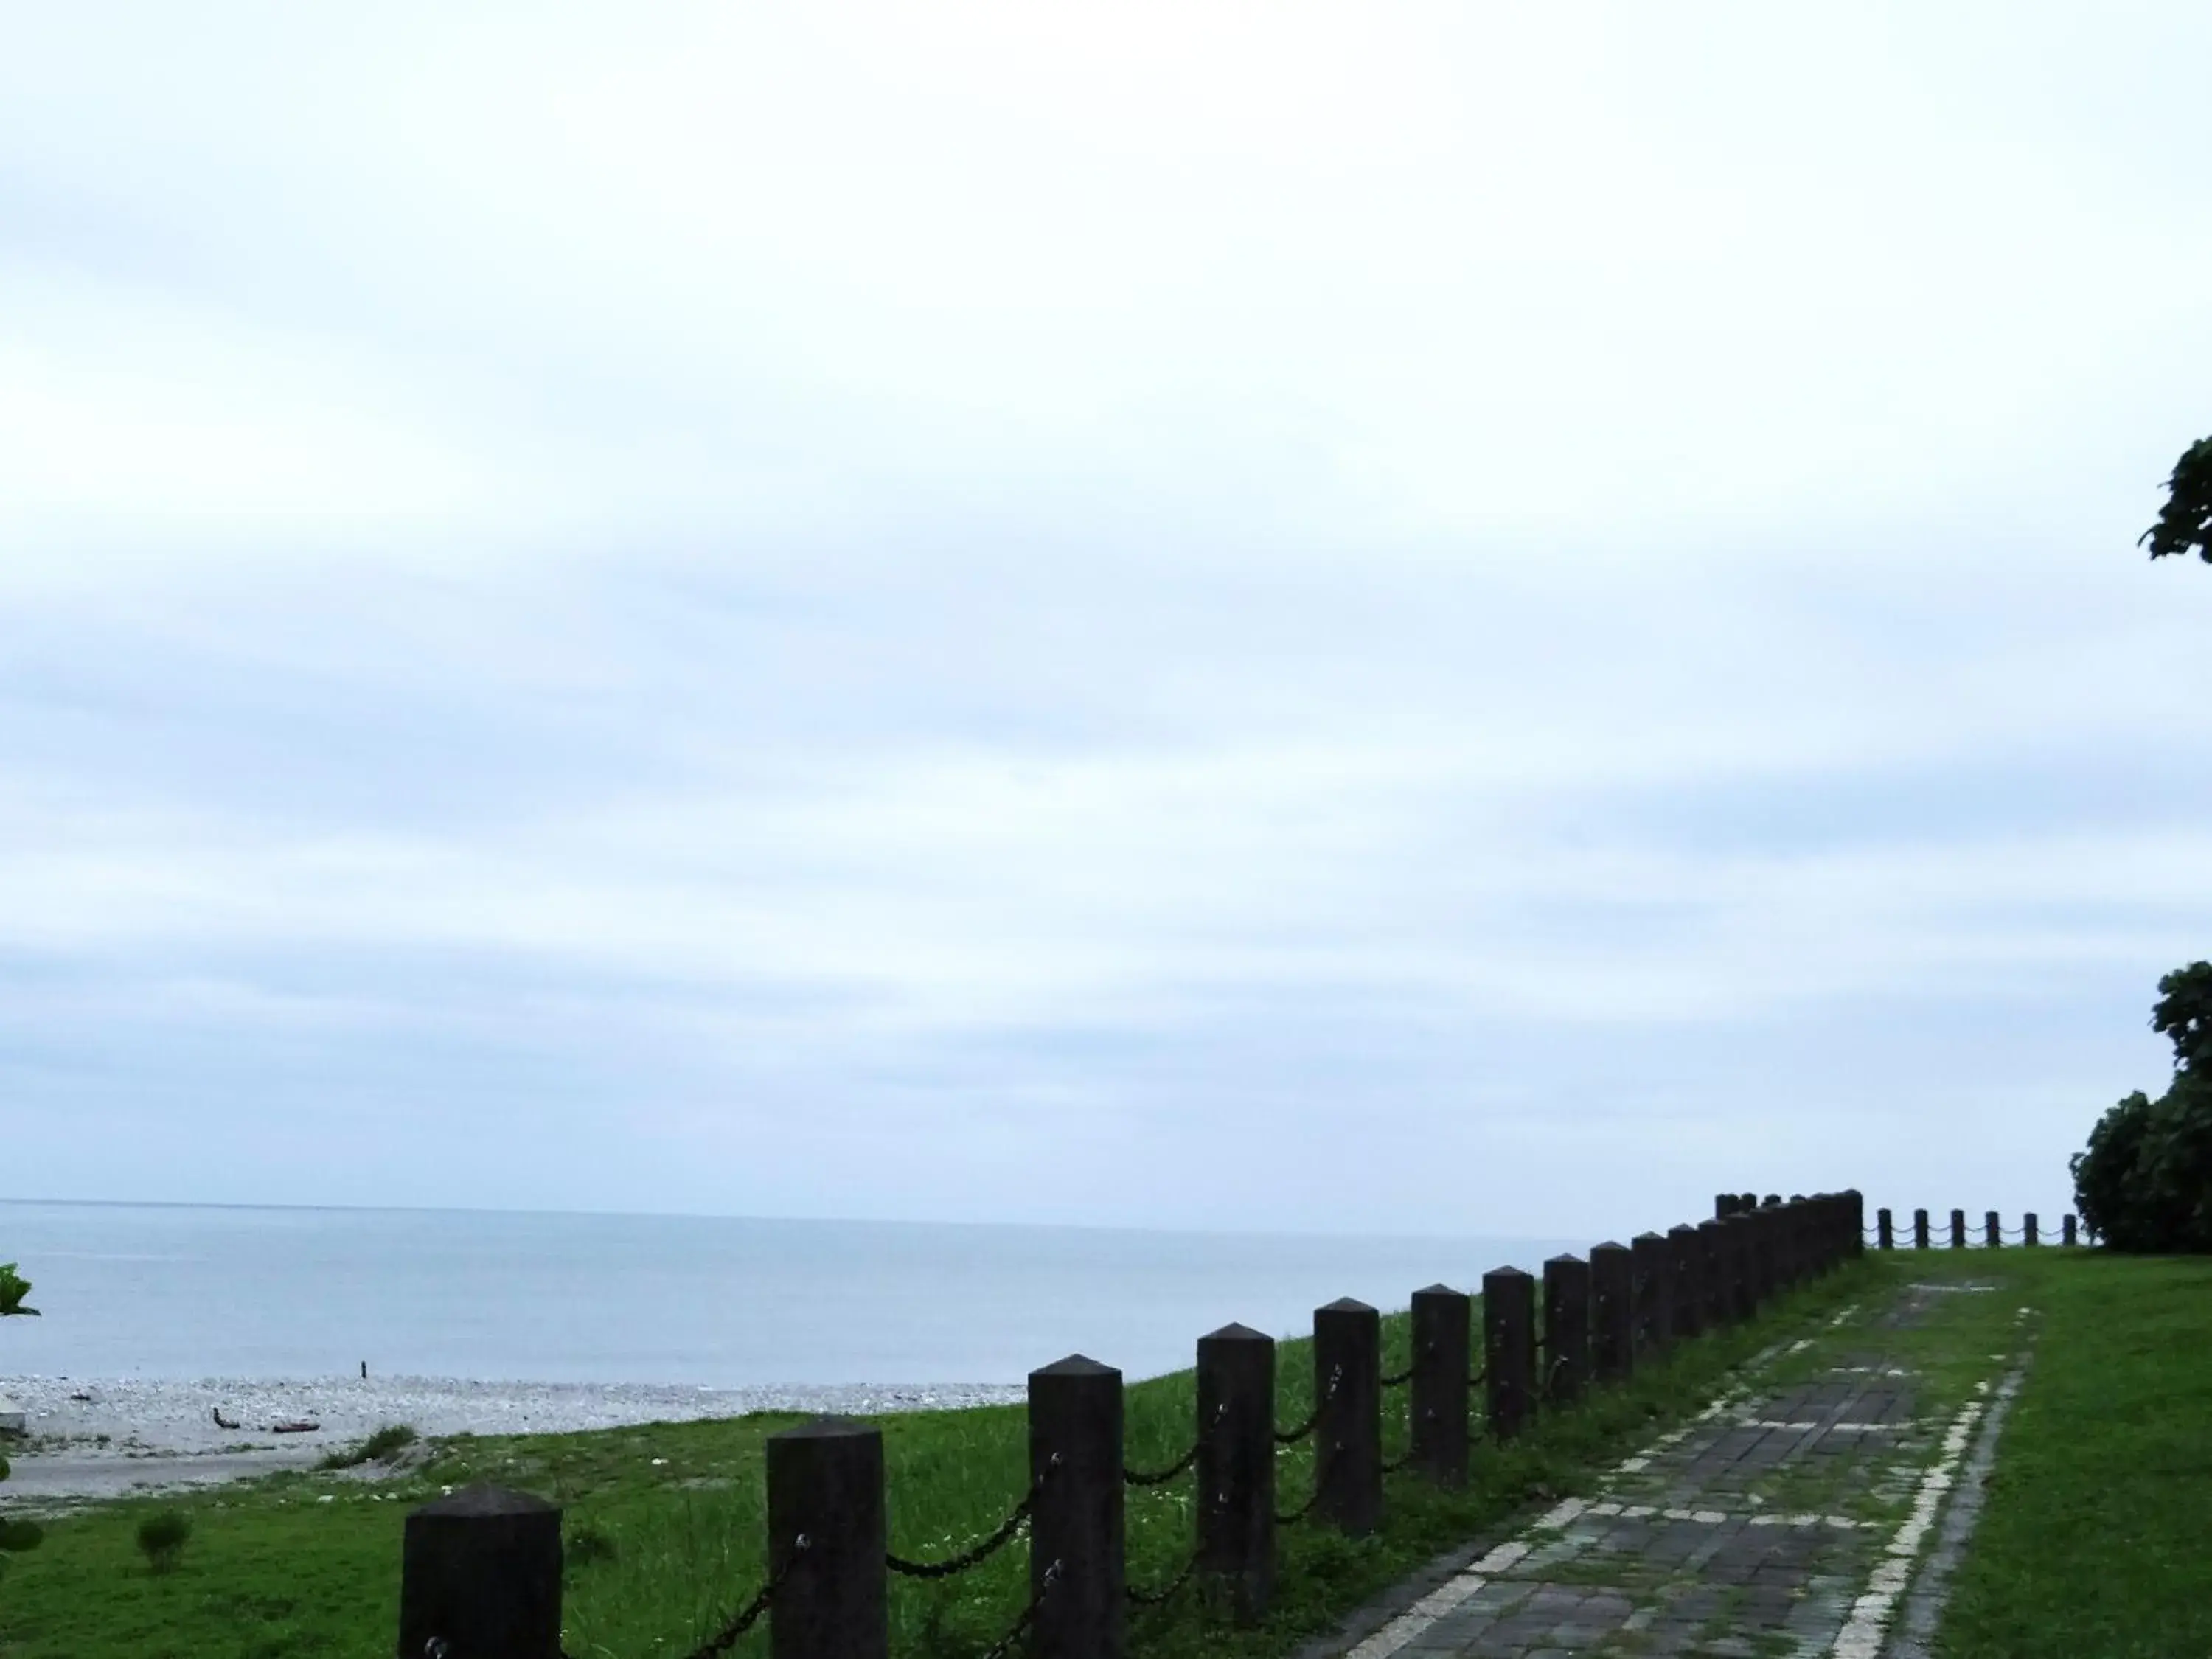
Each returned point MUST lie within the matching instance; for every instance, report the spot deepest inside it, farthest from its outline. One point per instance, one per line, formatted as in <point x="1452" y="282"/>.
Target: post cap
<point x="1234" y="1331"/>
<point x="487" y="1500"/>
<point x="1076" y="1364"/>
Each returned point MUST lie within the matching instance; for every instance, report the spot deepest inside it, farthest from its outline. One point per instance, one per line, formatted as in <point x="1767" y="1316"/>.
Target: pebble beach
<point x="88" y="1439"/>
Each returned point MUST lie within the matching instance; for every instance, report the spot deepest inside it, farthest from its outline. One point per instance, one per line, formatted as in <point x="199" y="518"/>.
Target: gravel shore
<point x="91" y="1439"/>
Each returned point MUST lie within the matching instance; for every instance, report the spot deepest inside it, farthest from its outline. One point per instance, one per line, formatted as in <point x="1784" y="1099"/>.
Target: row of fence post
<point x="1993" y="1230"/>
<point x="482" y="1573"/>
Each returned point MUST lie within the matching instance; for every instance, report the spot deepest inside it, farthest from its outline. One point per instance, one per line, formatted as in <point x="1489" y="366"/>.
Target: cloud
<point x="1427" y="609"/>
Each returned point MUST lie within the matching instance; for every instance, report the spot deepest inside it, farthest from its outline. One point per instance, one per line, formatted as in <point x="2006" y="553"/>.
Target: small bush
<point x="161" y="1537"/>
<point x="377" y="1448"/>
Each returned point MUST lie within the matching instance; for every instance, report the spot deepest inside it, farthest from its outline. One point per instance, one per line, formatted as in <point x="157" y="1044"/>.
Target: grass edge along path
<point x="2092" y="1543"/>
<point x="670" y="1518"/>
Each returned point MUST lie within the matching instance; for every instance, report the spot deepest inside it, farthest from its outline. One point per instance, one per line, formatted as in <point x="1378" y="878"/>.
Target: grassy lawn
<point x="307" y="1564"/>
<point x="2093" y="1545"/>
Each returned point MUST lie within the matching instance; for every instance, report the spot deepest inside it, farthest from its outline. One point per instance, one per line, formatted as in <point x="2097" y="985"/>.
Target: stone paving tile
<point x="1751" y="1533"/>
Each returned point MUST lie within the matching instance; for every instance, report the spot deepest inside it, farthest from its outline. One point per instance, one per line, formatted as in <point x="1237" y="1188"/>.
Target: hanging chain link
<point x="975" y="1554"/>
<point x="1160" y="1598"/>
<point x="1004" y="1644"/>
<point x="1292" y="1437"/>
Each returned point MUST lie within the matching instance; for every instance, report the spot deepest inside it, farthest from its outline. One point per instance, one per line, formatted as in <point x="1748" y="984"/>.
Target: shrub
<point x="163" y="1536"/>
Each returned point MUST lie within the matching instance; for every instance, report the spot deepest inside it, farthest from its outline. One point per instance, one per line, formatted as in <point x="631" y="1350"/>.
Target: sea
<point x="180" y="1291"/>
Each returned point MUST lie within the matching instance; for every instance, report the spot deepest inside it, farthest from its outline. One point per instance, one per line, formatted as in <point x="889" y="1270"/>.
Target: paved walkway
<point x="1786" y="1519"/>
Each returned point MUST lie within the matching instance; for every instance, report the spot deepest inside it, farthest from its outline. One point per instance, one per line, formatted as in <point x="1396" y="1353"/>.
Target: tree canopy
<point x="14" y="1287"/>
<point x="2185" y="526"/>
<point x="2144" y="1181"/>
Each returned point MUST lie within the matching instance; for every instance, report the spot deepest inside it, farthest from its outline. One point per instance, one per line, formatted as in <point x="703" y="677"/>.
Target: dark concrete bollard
<point x="2028" y="1234"/>
<point x="1735" y="1237"/>
<point x="1992" y="1230"/>
<point x="1920" y="1230"/>
<point x="1712" y="1275"/>
<point x="1566" y="1328"/>
<point x="1347" y="1348"/>
<point x="1442" y="1359"/>
<point x="1612" y="1312"/>
<point x="1237" y="1468"/>
<point x="1888" y="1240"/>
<point x="1076" y="1524"/>
<point x="1763" y="1274"/>
<point x="825" y="1486"/>
<point x="1655" y="1312"/>
<point x="1957" y="1230"/>
<point x="1509" y="1349"/>
<point x="1689" y="1287"/>
<point x="2066" y="1231"/>
<point x="480" y="1578"/>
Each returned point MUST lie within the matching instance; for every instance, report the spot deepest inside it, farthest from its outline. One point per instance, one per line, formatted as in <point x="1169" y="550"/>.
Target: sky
<point x="1438" y="619"/>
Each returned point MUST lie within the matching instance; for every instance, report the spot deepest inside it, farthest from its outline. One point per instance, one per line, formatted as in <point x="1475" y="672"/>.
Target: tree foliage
<point x="2144" y="1181"/>
<point x="14" y="1287"/>
<point x="2185" y="525"/>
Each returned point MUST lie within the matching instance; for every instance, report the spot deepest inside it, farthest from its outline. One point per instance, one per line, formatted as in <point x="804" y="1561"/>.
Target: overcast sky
<point x="1453" y="619"/>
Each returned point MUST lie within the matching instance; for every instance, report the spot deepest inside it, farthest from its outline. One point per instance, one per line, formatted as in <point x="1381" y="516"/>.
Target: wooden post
<point x="1075" y="1464"/>
<point x="1508" y="1348"/>
<point x="1855" y="1225"/>
<point x="480" y="1574"/>
<point x="1992" y="1231"/>
<point x="1236" y="1467"/>
<point x="1443" y="1359"/>
<point x="1689" y="1282"/>
<point x="1888" y="1234"/>
<point x="1612" y="1311"/>
<point x="1655" y="1311"/>
<point x="2027" y="1230"/>
<point x="1957" y="1230"/>
<point x="1920" y="1230"/>
<point x="1347" y="1350"/>
<point x="825" y="1486"/>
<point x="2066" y="1231"/>
<point x="1723" y="1205"/>
<point x="1566" y="1328"/>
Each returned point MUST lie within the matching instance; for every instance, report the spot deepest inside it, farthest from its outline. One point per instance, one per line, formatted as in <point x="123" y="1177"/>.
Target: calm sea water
<point x="163" y="1291"/>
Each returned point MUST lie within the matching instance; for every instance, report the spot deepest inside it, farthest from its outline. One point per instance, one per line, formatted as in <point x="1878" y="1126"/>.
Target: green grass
<point x="2093" y="1544"/>
<point x="308" y="1563"/>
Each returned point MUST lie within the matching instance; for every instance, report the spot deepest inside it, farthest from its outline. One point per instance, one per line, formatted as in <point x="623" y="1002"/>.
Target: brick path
<point x="1784" y="1520"/>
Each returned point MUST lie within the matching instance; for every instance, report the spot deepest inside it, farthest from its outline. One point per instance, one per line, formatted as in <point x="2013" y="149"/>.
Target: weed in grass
<point x="587" y="1546"/>
<point x="379" y="1448"/>
<point x="162" y="1538"/>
